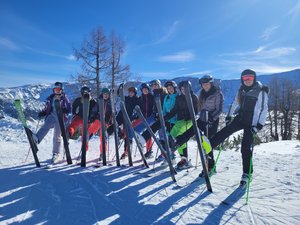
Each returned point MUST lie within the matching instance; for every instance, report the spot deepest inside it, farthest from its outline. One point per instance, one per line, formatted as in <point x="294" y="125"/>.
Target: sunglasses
<point x="248" y="77"/>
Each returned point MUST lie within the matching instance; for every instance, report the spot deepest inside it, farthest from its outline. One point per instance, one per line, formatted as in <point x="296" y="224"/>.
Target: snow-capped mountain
<point x="33" y="96"/>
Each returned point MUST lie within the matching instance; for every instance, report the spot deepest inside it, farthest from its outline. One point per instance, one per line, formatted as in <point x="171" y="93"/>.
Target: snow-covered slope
<point x="125" y="195"/>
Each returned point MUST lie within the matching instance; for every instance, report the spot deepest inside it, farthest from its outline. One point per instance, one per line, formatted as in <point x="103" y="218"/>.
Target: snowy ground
<point x="124" y="195"/>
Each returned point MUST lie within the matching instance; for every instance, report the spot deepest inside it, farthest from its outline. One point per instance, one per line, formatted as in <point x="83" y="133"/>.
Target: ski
<point x="22" y="118"/>
<point x="115" y="126"/>
<point x="237" y="194"/>
<point x="188" y="97"/>
<point x="128" y="123"/>
<point x="144" y="121"/>
<point x="103" y="129"/>
<point x="86" y="106"/>
<point x="125" y="125"/>
<point x="63" y="130"/>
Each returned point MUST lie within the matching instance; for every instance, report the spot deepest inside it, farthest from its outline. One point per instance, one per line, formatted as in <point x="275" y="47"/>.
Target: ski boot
<point x="149" y="154"/>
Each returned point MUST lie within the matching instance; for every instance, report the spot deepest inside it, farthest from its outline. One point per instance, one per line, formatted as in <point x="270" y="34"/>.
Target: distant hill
<point x="33" y="96"/>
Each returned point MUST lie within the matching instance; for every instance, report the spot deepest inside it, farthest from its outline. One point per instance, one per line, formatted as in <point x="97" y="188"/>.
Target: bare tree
<point x="116" y="71"/>
<point x="274" y="108"/>
<point x="94" y="54"/>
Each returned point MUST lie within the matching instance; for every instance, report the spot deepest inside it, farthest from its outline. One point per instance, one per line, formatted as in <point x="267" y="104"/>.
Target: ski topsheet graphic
<point x="63" y="130"/>
<point x="103" y="129"/>
<point x="188" y="97"/>
<point x="23" y="120"/>
<point x="86" y="106"/>
<point x="115" y="125"/>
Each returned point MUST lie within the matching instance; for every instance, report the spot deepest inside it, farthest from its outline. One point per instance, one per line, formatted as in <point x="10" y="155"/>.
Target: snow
<point x="70" y="194"/>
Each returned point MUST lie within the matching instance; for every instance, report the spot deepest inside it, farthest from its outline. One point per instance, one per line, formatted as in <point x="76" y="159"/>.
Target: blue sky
<point x="164" y="38"/>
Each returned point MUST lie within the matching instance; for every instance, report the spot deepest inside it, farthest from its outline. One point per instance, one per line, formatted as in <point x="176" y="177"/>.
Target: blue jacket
<point x="168" y="105"/>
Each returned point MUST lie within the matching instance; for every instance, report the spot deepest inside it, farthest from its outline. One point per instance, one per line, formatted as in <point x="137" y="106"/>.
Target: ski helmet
<point x="180" y="85"/>
<point x="171" y="83"/>
<point x="206" y="79"/>
<point x="85" y="90"/>
<point x="145" y="85"/>
<point x="132" y="89"/>
<point x="248" y="72"/>
<point x="58" y="85"/>
<point x="105" y="90"/>
<point x="157" y="82"/>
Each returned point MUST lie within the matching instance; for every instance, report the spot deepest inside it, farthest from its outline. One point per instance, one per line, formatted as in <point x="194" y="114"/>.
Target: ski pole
<point x="217" y="159"/>
<point x="250" y="171"/>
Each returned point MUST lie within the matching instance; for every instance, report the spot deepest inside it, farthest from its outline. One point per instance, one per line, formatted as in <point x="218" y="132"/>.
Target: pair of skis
<point x="32" y="143"/>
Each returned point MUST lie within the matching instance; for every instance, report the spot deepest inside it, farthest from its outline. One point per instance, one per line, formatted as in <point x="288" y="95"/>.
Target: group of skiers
<point x="248" y="113"/>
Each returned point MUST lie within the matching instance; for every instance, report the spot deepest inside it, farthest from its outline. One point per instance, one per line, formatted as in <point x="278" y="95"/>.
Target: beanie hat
<point x="248" y="72"/>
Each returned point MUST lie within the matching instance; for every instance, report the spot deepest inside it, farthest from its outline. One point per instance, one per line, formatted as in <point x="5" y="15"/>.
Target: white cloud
<point x="9" y="44"/>
<point x="53" y="54"/>
<point x="183" y="56"/>
<point x="268" y="32"/>
<point x="295" y="10"/>
<point x="168" y="33"/>
<point x="197" y="73"/>
<point x="263" y="52"/>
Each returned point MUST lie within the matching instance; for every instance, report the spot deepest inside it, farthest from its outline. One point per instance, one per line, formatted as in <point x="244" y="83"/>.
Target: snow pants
<point x="180" y="127"/>
<point x="247" y="141"/>
<point x="51" y="121"/>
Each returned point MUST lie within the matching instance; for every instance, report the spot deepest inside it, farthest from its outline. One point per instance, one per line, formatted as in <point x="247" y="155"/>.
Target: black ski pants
<point x="247" y="141"/>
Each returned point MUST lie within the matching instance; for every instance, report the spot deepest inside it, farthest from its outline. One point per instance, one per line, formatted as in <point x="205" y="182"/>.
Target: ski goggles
<point x="57" y="90"/>
<point x="248" y="77"/>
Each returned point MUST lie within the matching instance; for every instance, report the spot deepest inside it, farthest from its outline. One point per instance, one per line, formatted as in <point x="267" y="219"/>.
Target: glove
<point x="166" y="117"/>
<point x="41" y="114"/>
<point x="255" y="129"/>
<point x="228" y="120"/>
<point x="65" y="111"/>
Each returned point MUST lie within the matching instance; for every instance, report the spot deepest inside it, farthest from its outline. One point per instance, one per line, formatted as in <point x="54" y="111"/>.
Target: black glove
<point x="166" y="117"/>
<point x="255" y="129"/>
<point x="41" y="114"/>
<point x="228" y="120"/>
<point x="65" y="111"/>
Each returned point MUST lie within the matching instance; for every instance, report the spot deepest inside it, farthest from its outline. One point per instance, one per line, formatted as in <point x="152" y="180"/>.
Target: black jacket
<point x="77" y="109"/>
<point x="146" y="103"/>
<point x="181" y="108"/>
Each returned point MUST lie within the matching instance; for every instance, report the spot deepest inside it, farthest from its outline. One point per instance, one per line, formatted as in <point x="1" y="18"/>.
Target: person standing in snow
<point x="77" y="111"/>
<point x="51" y="120"/>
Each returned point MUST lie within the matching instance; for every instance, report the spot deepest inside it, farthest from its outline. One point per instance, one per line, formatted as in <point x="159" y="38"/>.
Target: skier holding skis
<point x="130" y="102"/>
<point x="77" y="111"/>
<point x="96" y="126"/>
<point x="250" y="108"/>
<point x="183" y="122"/>
<point x="146" y="103"/>
<point x="51" y="120"/>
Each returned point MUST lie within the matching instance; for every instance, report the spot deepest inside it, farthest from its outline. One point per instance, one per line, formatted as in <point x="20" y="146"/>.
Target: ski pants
<point x="78" y="122"/>
<point x="94" y="128"/>
<point x="247" y="141"/>
<point x="180" y="127"/>
<point x="51" y="121"/>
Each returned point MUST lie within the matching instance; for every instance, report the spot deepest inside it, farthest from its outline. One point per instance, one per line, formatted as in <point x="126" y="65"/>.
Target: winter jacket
<point x="146" y="103"/>
<point x="130" y="103"/>
<point x="168" y="105"/>
<point x="181" y="108"/>
<point x="211" y="102"/>
<point x="77" y="109"/>
<point x="251" y="105"/>
<point x="64" y="104"/>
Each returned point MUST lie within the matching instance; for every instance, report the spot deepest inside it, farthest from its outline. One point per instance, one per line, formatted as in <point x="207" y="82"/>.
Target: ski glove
<point x="41" y="114"/>
<point x="228" y="120"/>
<point x="65" y="111"/>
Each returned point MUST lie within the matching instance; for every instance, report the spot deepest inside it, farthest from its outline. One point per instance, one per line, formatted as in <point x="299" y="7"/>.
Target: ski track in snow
<point x="70" y="194"/>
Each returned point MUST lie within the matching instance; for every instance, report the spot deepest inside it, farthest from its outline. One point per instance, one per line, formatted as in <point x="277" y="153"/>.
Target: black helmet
<point x="144" y="85"/>
<point x="105" y="90"/>
<point x="58" y="85"/>
<point x="133" y="89"/>
<point x="206" y="79"/>
<point x="248" y="72"/>
<point x="152" y="82"/>
<point x="171" y="83"/>
<point x="180" y="85"/>
<point x="85" y="90"/>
